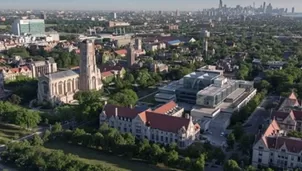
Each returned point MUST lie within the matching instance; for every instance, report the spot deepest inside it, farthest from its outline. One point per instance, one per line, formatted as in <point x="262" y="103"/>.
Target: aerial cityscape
<point x="151" y="86"/>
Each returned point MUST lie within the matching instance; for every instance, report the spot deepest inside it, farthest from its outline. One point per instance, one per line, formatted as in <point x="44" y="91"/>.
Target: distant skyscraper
<point x="220" y="4"/>
<point x="114" y="15"/>
<point x="43" y="16"/>
<point x="293" y="10"/>
<point x="264" y="7"/>
<point x="177" y="13"/>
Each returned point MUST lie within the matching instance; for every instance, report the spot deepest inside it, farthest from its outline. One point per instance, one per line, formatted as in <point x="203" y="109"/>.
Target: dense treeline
<point x="17" y="115"/>
<point x="112" y="141"/>
<point x="36" y="158"/>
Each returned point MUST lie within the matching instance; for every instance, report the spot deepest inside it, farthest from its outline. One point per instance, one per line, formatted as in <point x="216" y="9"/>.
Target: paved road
<point x="259" y="117"/>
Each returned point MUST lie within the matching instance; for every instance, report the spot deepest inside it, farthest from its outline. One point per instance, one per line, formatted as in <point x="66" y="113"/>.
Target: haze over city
<point x="140" y="4"/>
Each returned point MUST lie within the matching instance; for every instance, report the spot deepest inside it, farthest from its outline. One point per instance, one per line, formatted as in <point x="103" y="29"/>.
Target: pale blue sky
<point x="138" y="4"/>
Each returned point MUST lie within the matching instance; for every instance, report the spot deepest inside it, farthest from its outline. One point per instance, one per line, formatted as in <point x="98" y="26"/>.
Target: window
<point x="69" y="89"/>
<point x="260" y="148"/>
<point x="152" y="137"/>
<point x="166" y="139"/>
<point x="161" y="138"/>
<point x="259" y="160"/>
<point x="125" y="129"/>
<point x="60" y="87"/>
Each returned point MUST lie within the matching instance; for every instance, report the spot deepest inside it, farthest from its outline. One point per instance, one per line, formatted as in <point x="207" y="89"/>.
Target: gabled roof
<point x="104" y="68"/>
<point x="292" y="96"/>
<point x="165" y="108"/>
<point x="121" y="111"/>
<point x="271" y="130"/>
<point x="293" y="145"/>
<point x="165" y="123"/>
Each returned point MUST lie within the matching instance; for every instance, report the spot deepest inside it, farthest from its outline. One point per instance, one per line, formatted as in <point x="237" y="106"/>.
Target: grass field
<point x="92" y="156"/>
<point x="11" y="132"/>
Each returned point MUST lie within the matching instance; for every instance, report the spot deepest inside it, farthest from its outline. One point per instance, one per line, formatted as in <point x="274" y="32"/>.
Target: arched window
<point x="69" y="89"/>
<point x="93" y="83"/>
<point x="60" y="87"/>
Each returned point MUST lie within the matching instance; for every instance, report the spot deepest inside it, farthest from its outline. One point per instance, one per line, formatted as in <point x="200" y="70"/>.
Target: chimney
<point x="116" y="112"/>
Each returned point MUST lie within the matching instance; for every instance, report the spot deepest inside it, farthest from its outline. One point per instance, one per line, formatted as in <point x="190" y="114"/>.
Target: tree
<point x="26" y="118"/>
<point x="251" y="168"/>
<point x="90" y="104"/>
<point x="15" y="99"/>
<point x="231" y="165"/>
<point x="199" y="163"/>
<point x="238" y="131"/>
<point x="125" y="98"/>
<point x="46" y="135"/>
<point x="57" y="128"/>
<point x="171" y="158"/>
<point x="156" y="153"/>
<point x="37" y="141"/>
<point x="231" y="140"/>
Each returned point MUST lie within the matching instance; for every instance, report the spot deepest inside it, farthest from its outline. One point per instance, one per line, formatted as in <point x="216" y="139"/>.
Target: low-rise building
<point x="274" y="149"/>
<point x="160" y="125"/>
<point x="40" y="68"/>
<point x="11" y="74"/>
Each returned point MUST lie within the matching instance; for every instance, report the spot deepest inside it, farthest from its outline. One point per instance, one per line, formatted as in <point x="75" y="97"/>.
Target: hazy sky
<point x="138" y="4"/>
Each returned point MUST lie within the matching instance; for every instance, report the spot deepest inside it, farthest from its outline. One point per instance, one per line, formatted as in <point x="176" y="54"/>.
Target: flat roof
<point x="164" y="96"/>
<point x="213" y="90"/>
<point x="173" y="86"/>
<point x="222" y="117"/>
<point x="236" y="93"/>
<point x="201" y="75"/>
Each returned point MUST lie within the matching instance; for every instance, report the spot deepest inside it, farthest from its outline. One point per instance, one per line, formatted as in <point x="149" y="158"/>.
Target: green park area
<point x="93" y="157"/>
<point x="10" y="132"/>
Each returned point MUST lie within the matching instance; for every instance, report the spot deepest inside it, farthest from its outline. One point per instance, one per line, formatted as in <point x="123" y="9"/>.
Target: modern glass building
<point x="28" y="26"/>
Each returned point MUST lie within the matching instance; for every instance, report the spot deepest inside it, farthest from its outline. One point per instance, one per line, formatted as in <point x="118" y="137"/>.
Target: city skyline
<point x="142" y="4"/>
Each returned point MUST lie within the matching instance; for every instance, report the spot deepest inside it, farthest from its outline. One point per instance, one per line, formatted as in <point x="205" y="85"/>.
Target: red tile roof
<point x="271" y="130"/>
<point x="293" y="145"/>
<point x="121" y="52"/>
<point x="107" y="74"/>
<point x="155" y="119"/>
<point x="292" y="96"/>
<point x="16" y="70"/>
<point x="294" y="114"/>
<point x="165" y="123"/>
<point x="121" y="111"/>
<point x="166" y="107"/>
<point x="104" y="68"/>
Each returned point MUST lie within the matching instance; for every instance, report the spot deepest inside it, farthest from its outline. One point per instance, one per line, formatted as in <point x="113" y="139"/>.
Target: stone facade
<point x="152" y="125"/>
<point x="60" y="87"/>
<point x="90" y="74"/>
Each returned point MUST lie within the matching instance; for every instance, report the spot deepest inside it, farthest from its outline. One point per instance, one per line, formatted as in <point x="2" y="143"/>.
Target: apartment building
<point x="161" y="125"/>
<point x="274" y="149"/>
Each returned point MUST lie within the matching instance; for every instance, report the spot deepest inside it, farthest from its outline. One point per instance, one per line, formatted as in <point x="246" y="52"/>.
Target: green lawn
<point x="92" y="156"/>
<point x="11" y="132"/>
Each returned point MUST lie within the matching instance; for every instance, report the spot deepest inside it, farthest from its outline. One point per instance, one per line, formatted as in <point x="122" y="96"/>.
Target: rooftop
<point x="212" y="90"/>
<point x="61" y="74"/>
